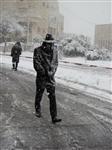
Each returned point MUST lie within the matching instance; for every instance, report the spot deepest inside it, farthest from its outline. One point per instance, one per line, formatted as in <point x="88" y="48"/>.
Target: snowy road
<point x="96" y="81"/>
<point x="86" y="125"/>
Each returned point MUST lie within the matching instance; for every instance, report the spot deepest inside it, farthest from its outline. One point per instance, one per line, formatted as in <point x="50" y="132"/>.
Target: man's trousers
<point x="43" y="83"/>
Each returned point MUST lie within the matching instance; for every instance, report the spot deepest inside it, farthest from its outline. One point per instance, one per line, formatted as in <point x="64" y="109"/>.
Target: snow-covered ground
<point x="73" y="60"/>
<point x="96" y="82"/>
<point x="82" y="60"/>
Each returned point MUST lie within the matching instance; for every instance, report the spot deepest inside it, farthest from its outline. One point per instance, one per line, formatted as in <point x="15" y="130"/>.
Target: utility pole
<point x="28" y="34"/>
<point x="1" y="21"/>
<point x="1" y="11"/>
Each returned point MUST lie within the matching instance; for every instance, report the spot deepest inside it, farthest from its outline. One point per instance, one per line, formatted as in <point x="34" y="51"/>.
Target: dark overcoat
<point x="44" y="65"/>
<point x="15" y="53"/>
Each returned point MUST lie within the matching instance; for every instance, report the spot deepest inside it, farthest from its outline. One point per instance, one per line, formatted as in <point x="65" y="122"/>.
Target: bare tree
<point x="5" y="31"/>
<point x="10" y="31"/>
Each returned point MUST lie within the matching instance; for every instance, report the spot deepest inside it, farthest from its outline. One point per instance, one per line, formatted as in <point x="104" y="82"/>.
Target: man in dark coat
<point x="45" y="61"/>
<point x="15" y="53"/>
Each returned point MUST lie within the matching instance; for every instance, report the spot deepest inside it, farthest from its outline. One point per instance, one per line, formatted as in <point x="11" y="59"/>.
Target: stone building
<point x="103" y="36"/>
<point x="38" y="17"/>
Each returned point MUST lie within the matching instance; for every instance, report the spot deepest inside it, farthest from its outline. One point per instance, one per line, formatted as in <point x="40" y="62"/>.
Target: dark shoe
<point x="56" y="120"/>
<point x="38" y="114"/>
<point x="15" y="69"/>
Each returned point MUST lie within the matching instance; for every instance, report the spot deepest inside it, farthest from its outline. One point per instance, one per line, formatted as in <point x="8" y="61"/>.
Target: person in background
<point x="15" y="53"/>
<point x="45" y="61"/>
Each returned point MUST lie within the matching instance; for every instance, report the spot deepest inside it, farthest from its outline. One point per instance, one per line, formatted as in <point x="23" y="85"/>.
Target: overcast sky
<point x="80" y="17"/>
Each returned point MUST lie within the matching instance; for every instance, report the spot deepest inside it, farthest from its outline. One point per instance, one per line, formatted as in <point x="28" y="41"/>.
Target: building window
<point x="43" y="4"/>
<point x="102" y="41"/>
<point x="47" y="5"/>
<point x="38" y="30"/>
<point x="106" y="44"/>
<point x="43" y="31"/>
<point x="110" y="44"/>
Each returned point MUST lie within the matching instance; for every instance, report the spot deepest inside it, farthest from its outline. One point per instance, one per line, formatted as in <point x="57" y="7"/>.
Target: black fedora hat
<point x="49" y="38"/>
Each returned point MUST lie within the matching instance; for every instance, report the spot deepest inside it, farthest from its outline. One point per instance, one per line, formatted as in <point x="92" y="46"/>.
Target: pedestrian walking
<point x="45" y="61"/>
<point x="15" y="53"/>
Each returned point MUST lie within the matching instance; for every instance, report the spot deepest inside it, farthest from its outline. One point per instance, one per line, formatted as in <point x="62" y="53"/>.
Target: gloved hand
<point x="50" y="73"/>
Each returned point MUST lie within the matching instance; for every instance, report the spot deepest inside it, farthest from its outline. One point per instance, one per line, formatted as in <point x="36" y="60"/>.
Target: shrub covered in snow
<point x="92" y="55"/>
<point x="73" y="45"/>
<point x="95" y="54"/>
<point x="37" y="39"/>
<point x="105" y="54"/>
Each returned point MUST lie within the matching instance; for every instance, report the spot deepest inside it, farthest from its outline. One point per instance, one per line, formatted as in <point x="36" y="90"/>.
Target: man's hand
<point x="50" y="73"/>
